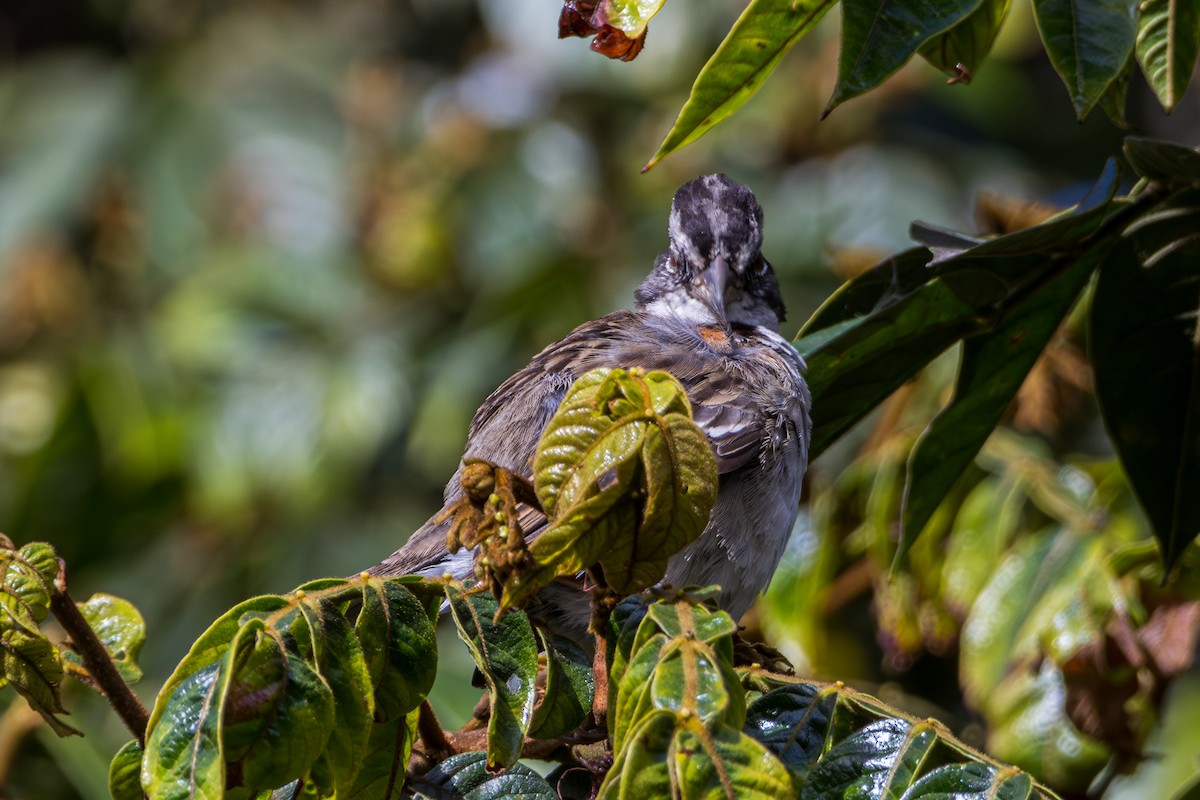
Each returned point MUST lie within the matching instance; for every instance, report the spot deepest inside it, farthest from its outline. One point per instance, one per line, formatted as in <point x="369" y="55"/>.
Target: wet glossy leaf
<point x="381" y="774"/>
<point x="505" y="652"/>
<point x="121" y="630"/>
<point x="1168" y="39"/>
<point x="183" y="743"/>
<point x="960" y="50"/>
<point x="466" y="775"/>
<point x="125" y="772"/>
<point x="877" y="761"/>
<point x="880" y="36"/>
<point x="1164" y="162"/>
<point x="1089" y="43"/>
<point x="1146" y="354"/>
<point x="570" y="687"/>
<point x="749" y="54"/>
<point x="793" y="722"/>
<point x="972" y="781"/>
<point x="399" y="644"/>
<point x="994" y="365"/>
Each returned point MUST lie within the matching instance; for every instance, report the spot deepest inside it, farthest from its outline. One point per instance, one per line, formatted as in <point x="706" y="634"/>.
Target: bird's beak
<point x="709" y="287"/>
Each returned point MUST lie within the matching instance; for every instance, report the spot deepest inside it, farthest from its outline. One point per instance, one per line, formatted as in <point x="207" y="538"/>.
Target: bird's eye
<point x="761" y="267"/>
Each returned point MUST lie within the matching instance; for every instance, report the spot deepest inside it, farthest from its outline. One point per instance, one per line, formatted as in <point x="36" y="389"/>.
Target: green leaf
<point x="641" y="768"/>
<point x="382" y="772"/>
<point x="793" y="722"/>
<point x="342" y="666"/>
<point x="880" y="36"/>
<point x="972" y="781"/>
<point x="1016" y="611"/>
<point x="633" y="703"/>
<point x="1030" y="727"/>
<point x="125" y="772"/>
<point x="33" y="667"/>
<point x="1168" y="38"/>
<point x="994" y="366"/>
<point x="1145" y="347"/>
<point x="1163" y="162"/>
<point x="505" y="652"/>
<point x="399" y="644"/>
<point x="1089" y="43"/>
<point x="960" y="50"/>
<point x="467" y="776"/>
<point x="725" y="763"/>
<point x="878" y="761"/>
<point x="855" y="362"/>
<point x="750" y="52"/>
<point x="630" y="16"/>
<point x="985" y="525"/>
<point x="121" y="630"/>
<point x="183" y="744"/>
<point x="626" y="479"/>
<point x="25" y="589"/>
<point x="570" y="687"/>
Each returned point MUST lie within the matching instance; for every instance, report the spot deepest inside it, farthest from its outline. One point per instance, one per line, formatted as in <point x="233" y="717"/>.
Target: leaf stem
<point x="96" y="659"/>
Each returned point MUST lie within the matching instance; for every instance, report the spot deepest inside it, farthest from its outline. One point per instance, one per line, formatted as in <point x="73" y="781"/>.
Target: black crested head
<point x="714" y="272"/>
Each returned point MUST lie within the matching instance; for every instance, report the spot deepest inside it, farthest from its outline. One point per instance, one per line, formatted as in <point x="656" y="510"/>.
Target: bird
<point x="709" y="313"/>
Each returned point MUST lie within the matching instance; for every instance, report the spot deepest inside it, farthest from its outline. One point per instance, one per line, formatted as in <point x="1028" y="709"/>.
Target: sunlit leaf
<point x="125" y="772"/>
<point x="183" y="744"/>
<point x="880" y="36"/>
<point x="121" y="630"/>
<point x="749" y="54"/>
<point x="1089" y="43"/>
<point x="505" y="652"/>
<point x="877" y="761"/>
<point x="1168" y="39"/>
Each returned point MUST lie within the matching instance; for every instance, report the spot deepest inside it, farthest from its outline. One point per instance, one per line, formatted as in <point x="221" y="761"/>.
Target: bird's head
<point x="713" y="272"/>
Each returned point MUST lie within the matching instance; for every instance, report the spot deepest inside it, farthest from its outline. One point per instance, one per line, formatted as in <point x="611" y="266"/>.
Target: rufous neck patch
<point x="715" y="336"/>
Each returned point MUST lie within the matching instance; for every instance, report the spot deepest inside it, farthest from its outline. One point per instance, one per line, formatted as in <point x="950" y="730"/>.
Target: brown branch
<point x="96" y="659"/>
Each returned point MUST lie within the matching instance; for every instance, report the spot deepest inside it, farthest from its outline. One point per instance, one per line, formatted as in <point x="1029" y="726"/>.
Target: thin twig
<point x="96" y="659"/>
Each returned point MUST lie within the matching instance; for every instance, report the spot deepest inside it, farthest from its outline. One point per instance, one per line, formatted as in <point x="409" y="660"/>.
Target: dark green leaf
<point x="1145" y="348"/>
<point x="121" y="630"/>
<point x="466" y="775"/>
<point x="381" y="774"/>
<point x="1089" y="43"/>
<point x="750" y="52"/>
<point x="972" y="781"/>
<point x="343" y="668"/>
<point x="1164" y="162"/>
<point x="506" y="654"/>
<point x="33" y="667"/>
<point x="570" y="687"/>
<point x="880" y="36"/>
<point x="881" y="285"/>
<point x="878" y="761"/>
<point x="292" y="707"/>
<point x="793" y="721"/>
<point x="994" y="366"/>
<point x="960" y="50"/>
<point x="1168" y="38"/>
<point x="125" y="772"/>
<point x="399" y="644"/>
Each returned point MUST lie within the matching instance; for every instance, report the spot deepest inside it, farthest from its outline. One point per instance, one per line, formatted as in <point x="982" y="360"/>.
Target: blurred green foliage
<point x="260" y="262"/>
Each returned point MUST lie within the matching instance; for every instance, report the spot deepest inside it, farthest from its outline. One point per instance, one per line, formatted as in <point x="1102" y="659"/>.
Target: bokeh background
<point x="261" y="260"/>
